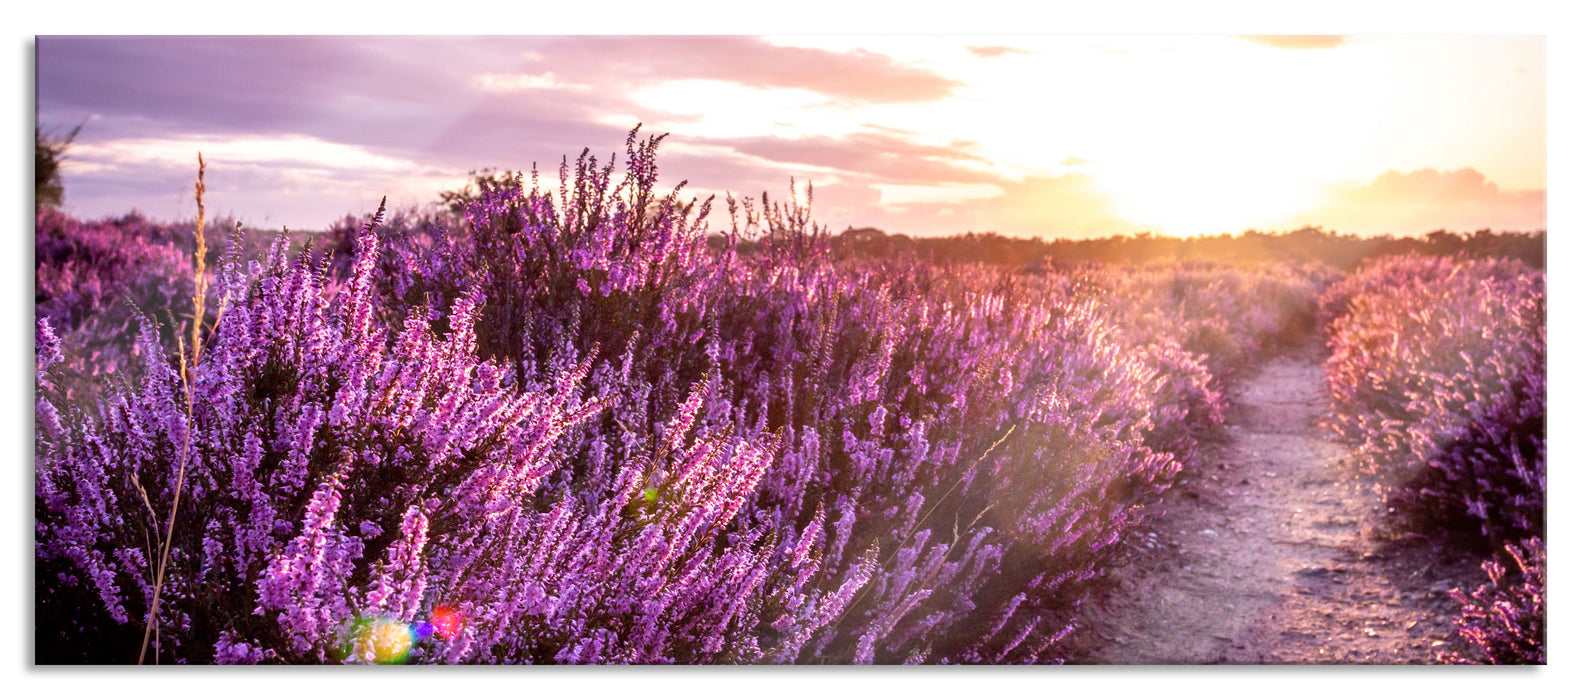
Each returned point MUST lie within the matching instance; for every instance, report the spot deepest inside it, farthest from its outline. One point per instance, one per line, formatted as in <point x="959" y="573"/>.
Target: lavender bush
<point x="94" y="279"/>
<point x="91" y="279"/>
<point x="1504" y="620"/>
<point x="1438" y="370"/>
<point x="1208" y="322"/>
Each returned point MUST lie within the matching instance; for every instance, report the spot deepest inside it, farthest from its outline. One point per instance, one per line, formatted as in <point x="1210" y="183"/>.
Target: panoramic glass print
<point x="509" y="350"/>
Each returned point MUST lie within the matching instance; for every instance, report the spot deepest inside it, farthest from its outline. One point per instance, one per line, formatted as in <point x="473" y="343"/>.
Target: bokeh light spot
<point x="447" y="622"/>
<point x="389" y="640"/>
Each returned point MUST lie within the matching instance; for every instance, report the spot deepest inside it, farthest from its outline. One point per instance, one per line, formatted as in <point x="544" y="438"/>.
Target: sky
<point x="1025" y="135"/>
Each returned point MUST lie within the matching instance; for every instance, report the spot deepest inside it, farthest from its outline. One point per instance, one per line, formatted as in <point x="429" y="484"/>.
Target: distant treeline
<point x="1342" y="251"/>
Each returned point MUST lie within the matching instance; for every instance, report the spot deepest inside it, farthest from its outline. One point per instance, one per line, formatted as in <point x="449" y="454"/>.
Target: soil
<point x="1276" y="549"/>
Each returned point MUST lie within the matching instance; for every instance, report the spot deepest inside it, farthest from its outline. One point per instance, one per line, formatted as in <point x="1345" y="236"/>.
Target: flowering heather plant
<point x="1203" y="323"/>
<point x="1392" y="273"/>
<point x="339" y="470"/>
<point x="830" y="355"/>
<point x="93" y="280"/>
<point x="1438" y="370"/>
<point x="1232" y="315"/>
<point x="892" y="412"/>
<point x="301" y="426"/>
<point x="1504" y="619"/>
<point x="90" y="281"/>
<point x="591" y="267"/>
<point x="571" y="431"/>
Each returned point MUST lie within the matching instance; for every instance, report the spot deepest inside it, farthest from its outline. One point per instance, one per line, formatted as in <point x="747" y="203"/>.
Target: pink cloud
<point x="1295" y="41"/>
<point x="872" y="155"/>
<point x="994" y="51"/>
<point x="1425" y="200"/>
<point x="857" y="75"/>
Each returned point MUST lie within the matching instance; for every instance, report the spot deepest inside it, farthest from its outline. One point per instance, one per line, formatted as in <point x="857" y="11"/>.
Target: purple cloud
<point x="872" y="155"/>
<point x="419" y="99"/>
<point x="406" y="98"/>
<point x="859" y="76"/>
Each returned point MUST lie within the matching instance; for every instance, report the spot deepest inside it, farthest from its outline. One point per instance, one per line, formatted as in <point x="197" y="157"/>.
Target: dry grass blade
<point x="200" y="285"/>
<point x="199" y="288"/>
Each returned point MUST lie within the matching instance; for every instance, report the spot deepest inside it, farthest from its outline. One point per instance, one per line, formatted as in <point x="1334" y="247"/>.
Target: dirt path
<point x="1274" y="551"/>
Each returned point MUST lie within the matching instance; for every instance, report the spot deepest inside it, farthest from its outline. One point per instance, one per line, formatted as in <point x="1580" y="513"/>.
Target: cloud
<point x="872" y="156"/>
<point x="859" y="76"/>
<point x="1070" y="205"/>
<point x="839" y="205"/>
<point x="994" y="51"/>
<point x="891" y="195"/>
<point x="523" y="82"/>
<point x="384" y="94"/>
<point x="300" y="182"/>
<point x="1074" y="161"/>
<point x="1296" y="41"/>
<point x="288" y="152"/>
<point x="1425" y="200"/>
<point x="449" y="103"/>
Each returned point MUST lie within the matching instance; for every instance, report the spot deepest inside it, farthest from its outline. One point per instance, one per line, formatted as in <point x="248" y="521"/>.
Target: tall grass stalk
<point x="199" y="288"/>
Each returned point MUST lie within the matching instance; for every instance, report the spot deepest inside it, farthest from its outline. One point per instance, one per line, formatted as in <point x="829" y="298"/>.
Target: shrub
<point x="1504" y="619"/>
<point x="1438" y="370"/>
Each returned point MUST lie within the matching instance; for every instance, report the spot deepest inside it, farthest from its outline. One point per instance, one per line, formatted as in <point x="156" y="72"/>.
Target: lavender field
<point x="572" y="423"/>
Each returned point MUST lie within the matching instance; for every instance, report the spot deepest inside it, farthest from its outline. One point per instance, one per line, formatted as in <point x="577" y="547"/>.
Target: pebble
<point x="1209" y="533"/>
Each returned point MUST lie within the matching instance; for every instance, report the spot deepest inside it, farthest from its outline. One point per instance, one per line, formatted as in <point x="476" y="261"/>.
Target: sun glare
<point x="1224" y="135"/>
<point x="1185" y="199"/>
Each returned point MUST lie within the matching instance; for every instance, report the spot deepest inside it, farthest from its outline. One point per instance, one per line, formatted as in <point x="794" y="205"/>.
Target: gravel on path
<point x="1275" y="551"/>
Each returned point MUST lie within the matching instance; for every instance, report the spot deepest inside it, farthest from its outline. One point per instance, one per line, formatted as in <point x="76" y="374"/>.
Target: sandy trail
<point x="1275" y="551"/>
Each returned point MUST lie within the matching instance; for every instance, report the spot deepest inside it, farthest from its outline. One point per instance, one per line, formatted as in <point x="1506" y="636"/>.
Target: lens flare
<point x="388" y="641"/>
<point x="446" y="622"/>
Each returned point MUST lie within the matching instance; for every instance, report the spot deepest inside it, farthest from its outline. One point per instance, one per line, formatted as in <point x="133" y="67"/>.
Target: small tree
<point x="48" y="152"/>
